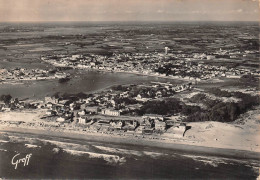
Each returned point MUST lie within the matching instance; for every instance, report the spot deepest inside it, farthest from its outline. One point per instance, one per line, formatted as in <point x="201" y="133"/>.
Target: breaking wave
<point x="3" y="141"/>
<point x="23" y="139"/>
<point x="31" y="146"/>
<point x="67" y="145"/>
<point x="153" y="154"/>
<point x="119" y="150"/>
<point x="129" y="152"/>
<point x="213" y="161"/>
<point x="111" y="159"/>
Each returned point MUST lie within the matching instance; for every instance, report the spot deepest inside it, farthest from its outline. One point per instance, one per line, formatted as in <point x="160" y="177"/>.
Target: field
<point x="25" y="42"/>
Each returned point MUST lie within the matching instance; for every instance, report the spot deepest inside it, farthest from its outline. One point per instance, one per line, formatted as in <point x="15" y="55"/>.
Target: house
<point x="68" y="114"/>
<point x="117" y="124"/>
<point x="39" y="106"/>
<point x="60" y="75"/>
<point x="158" y="94"/>
<point x="140" y="98"/>
<point x="160" y="125"/>
<point x="49" y="99"/>
<point x="2" y="104"/>
<point x="153" y="116"/>
<point x="6" y="109"/>
<point x="82" y="113"/>
<point x="63" y="119"/>
<point x="92" y="109"/>
<point x="49" y="105"/>
<point x="60" y="119"/>
<point x="57" y="107"/>
<point x="112" y="102"/>
<point x="147" y="123"/>
<point x="74" y="106"/>
<point x="83" y="106"/>
<point x="63" y="102"/>
<point x="50" y="112"/>
<point x="110" y="112"/>
<point x="82" y="119"/>
<point x="75" y="56"/>
<point x="132" y="124"/>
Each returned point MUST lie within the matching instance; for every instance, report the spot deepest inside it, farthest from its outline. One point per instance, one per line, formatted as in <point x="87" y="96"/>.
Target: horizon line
<point x="128" y="21"/>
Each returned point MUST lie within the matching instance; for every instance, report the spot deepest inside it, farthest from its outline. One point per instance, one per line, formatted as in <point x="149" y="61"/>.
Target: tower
<point x="166" y="50"/>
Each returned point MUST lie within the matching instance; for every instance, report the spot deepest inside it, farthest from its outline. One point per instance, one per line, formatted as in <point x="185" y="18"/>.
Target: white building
<point x="60" y="119"/>
<point x="50" y="112"/>
<point x="110" y="112"/>
<point x="50" y="100"/>
<point x="60" y="75"/>
<point x="82" y="120"/>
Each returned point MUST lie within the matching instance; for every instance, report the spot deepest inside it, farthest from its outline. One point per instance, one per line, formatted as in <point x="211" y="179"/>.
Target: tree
<point x="6" y="98"/>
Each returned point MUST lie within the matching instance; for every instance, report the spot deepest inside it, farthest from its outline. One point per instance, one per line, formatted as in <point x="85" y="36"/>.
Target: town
<point x="154" y="109"/>
<point x="192" y="67"/>
<point x="22" y="74"/>
<point x="150" y="109"/>
<point x="113" y="110"/>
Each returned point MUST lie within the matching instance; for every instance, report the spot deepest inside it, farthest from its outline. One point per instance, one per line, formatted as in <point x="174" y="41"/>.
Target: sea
<point x="55" y="157"/>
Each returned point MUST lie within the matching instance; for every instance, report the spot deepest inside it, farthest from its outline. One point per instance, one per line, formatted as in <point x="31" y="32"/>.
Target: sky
<point x="129" y="10"/>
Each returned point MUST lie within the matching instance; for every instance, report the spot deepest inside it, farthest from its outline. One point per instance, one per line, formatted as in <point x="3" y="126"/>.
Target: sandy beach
<point x="231" y="153"/>
<point x="232" y="140"/>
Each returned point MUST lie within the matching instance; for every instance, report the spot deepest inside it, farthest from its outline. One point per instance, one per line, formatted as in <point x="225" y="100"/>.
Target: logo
<point x="16" y="160"/>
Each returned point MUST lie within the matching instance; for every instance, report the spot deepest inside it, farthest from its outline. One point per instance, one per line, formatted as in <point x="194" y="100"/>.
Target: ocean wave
<point x="22" y="139"/>
<point x="153" y="154"/>
<point x="130" y="152"/>
<point x="56" y="150"/>
<point x="67" y="145"/>
<point x="15" y="138"/>
<point x="119" y="150"/>
<point x="3" y="141"/>
<point x="213" y="161"/>
<point x="111" y="159"/>
<point x="31" y="146"/>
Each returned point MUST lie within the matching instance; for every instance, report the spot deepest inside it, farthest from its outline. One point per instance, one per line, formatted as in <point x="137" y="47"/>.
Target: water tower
<point x="166" y="50"/>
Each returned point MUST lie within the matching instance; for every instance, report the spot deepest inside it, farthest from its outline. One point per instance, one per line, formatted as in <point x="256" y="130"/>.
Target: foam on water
<point x="130" y="152"/>
<point x="67" y="145"/>
<point x="213" y="161"/>
<point x="23" y="139"/>
<point x="111" y="159"/>
<point x="153" y="154"/>
<point x="56" y="150"/>
<point x="119" y="150"/>
<point x="31" y="146"/>
<point x="3" y="141"/>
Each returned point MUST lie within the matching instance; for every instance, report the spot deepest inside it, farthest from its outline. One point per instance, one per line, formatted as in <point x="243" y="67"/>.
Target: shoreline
<point x="186" y="148"/>
<point x="138" y="73"/>
<point x="122" y="71"/>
